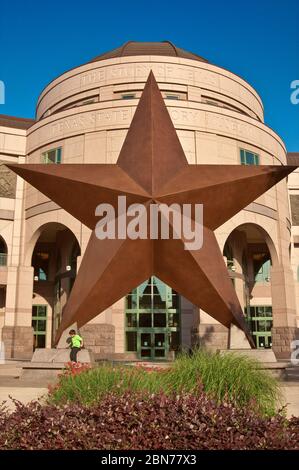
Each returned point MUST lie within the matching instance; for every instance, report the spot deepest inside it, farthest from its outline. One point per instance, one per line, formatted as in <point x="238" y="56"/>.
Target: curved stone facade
<point x="86" y="113"/>
<point x="102" y="81"/>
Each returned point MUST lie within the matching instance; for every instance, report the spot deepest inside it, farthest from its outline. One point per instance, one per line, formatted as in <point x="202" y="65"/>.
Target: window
<point x="214" y="103"/>
<point x="261" y="266"/>
<point x="260" y="321"/>
<point x="131" y="341"/>
<point x="2" y="297"/>
<point x="172" y="97"/>
<point x="39" y="325"/>
<point x="249" y="158"/>
<point x="41" y="275"/>
<point x="40" y="260"/>
<point x="128" y="96"/>
<point x="52" y="156"/>
<point x="86" y="102"/>
<point x="3" y="252"/>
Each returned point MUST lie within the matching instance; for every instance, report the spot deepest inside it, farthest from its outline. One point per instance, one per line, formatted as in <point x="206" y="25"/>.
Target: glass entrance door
<point x="39" y="324"/>
<point x="153" y="345"/>
<point x="263" y="340"/>
<point x="146" y="345"/>
<point x="152" y="320"/>
<point x="260" y="321"/>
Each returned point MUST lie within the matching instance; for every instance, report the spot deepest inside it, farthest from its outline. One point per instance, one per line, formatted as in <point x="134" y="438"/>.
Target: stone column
<point x="237" y="338"/>
<point x="17" y="333"/>
<point x="189" y="321"/>
<point x="284" y="329"/>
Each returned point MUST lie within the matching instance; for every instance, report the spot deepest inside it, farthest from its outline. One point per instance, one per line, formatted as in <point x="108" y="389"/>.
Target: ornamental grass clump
<point x="231" y="377"/>
<point x="92" y="385"/>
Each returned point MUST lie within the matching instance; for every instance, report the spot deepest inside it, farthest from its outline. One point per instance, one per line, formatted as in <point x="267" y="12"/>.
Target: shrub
<point x="224" y="377"/>
<point x="146" y="421"/>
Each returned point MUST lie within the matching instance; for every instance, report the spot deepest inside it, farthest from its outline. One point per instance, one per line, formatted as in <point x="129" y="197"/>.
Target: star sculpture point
<point x="152" y="167"/>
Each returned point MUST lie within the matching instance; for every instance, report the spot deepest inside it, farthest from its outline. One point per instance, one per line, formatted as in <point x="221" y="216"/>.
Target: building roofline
<point x="196" y="58"/>
<point x="16" y="122"/>
<point x="160" y="48"/>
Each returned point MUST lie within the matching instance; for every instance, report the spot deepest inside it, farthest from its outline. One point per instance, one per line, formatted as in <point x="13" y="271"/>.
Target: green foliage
<point x="230" y="376"/>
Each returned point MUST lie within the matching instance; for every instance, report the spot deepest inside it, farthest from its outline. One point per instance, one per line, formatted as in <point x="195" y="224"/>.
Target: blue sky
<point x="258" y="40"/>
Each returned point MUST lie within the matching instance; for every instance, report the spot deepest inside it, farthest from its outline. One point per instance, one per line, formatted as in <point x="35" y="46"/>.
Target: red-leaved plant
<point x="145" y="421"/>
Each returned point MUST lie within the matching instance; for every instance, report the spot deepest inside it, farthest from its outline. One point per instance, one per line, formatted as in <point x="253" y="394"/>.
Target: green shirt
<point x="76" y="341"/>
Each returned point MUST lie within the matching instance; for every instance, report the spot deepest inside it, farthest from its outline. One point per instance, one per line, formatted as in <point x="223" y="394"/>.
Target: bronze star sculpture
<point x="152" y="168"/>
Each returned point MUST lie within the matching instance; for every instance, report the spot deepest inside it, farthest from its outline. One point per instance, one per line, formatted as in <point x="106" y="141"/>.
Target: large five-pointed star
<point x="152" y="168"/>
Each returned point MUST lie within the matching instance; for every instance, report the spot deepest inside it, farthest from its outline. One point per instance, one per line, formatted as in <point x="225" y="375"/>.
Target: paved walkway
<point x="26" y="393"/>
<point x="291" y="394"/>
<point x="22" y="394"/>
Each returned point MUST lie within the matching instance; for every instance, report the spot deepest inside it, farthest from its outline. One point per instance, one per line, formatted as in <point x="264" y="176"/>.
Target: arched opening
<point x="54" y="261"/>
<point x="253" y="253"/>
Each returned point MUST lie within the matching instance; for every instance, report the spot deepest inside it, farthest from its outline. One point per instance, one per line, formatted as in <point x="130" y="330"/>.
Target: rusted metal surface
<point x="152" y="168"/>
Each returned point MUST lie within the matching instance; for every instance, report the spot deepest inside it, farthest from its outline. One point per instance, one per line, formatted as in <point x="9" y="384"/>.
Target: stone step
<point x="10" y="371"/>
<point x="53" y="355"/>
<point x="42" y="371"/>
<point x="262" y="355"/>
<point x="41" y="377"/>
<point x="292" y="373"/>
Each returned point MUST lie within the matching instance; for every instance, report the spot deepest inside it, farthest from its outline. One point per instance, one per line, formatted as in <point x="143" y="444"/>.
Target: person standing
<point x="76" y="343"/>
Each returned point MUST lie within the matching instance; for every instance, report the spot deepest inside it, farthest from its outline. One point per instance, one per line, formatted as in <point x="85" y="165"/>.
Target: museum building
<point x="83" y="117"/>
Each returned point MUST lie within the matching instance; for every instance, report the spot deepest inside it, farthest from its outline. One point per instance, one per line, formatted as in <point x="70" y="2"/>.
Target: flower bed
<point x="146" y="421"/>
<point x="230" y="377"/>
